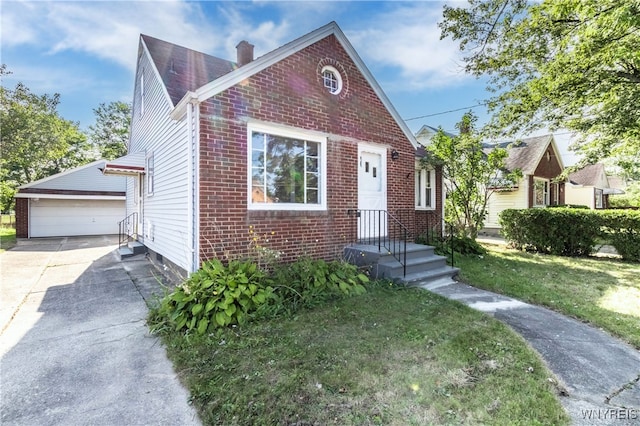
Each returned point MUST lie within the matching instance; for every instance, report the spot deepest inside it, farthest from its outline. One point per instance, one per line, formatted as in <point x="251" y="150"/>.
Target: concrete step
<point x="132" y="248"/>
<point x="391" y="268"/>
<point x="422" y="265"/>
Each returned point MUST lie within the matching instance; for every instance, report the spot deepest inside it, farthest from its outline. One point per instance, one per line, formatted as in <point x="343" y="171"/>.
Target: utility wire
<point x="445" y="112"/>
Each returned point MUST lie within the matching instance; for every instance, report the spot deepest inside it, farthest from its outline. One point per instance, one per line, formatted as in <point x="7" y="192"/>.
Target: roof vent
<point x="245" y="53"/>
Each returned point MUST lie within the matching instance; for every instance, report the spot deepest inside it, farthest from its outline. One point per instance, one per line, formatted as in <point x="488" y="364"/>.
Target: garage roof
<point x="81" y="182"/>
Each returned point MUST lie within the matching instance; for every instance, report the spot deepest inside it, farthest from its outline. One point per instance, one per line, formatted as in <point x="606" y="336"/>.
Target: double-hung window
<point x="287" y="169"/>
<point x="425" y="188"/>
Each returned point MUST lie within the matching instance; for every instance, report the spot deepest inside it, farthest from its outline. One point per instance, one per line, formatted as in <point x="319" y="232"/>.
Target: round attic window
<point x="331" y="79"/>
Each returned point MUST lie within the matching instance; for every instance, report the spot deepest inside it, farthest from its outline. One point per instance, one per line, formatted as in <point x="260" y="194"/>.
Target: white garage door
<point x="62" y="218"/>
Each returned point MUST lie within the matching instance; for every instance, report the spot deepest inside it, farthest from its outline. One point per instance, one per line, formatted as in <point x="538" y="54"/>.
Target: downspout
<point x="193" y="127"/>
<point x="443" y="191"/>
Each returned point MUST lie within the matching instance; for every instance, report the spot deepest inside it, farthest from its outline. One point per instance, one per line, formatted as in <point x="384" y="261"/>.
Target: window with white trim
<point x="540" y="192"/>
<point x="287" y="170"/>
<point x="150" y="173"/>
<point x="332" y="80"/>
<point x="425" y="188"/>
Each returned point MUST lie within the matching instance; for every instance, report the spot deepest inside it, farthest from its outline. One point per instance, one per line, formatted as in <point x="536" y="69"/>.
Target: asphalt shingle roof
<point x="183" y="69"/>
<point x="524" y="154"/>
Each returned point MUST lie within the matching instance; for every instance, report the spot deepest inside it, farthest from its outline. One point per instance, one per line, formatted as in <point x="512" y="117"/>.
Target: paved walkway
<point x="601" y="374"/>
<point x="74" y="345"/>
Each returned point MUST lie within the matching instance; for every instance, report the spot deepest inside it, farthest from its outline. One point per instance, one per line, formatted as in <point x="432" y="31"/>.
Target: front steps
<point x="424" y="267"/>
<point x="131" y="249"/>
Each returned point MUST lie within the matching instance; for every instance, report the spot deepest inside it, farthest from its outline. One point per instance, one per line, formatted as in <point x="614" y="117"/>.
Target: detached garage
<point x="80" y="201"/>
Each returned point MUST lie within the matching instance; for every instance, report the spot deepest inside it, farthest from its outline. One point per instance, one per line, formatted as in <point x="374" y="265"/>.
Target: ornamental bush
<point x="220" y="295"/>
<point x="572" y="232"/>
<point x="309" y="282"/>
<point x="214" y="296"/>
<point x="559" y="231"/>
<point x="621" y="228"/>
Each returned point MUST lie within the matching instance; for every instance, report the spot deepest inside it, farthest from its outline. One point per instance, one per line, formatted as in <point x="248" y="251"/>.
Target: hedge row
<point x="572" y="232"/>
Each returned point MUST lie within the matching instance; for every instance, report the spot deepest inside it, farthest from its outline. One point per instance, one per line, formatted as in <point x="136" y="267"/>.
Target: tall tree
<point x="36" y="141"/>
<point x="110" y="133"/>
<point x="560" y="64"/>
<point x="471" y="175"/>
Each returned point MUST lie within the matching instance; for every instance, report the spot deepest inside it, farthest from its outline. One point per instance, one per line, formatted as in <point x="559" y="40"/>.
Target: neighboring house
<point x="539" y="160"/>
<point x="591" y="187"/>
<point x="79" y="201"/>
<point x="274" y="152"/>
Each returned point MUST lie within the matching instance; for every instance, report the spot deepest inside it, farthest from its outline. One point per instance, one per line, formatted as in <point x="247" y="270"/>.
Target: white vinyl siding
<point x="499" y="201"/>
<point x="165" y="218"/>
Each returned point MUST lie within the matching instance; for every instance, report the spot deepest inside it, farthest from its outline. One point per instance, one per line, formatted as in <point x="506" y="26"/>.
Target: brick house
<point x="280" y="151"/>
<point x="539" y="161"/>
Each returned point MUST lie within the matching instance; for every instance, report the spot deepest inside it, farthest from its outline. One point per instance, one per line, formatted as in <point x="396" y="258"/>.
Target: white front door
<point x="372" y="191"/>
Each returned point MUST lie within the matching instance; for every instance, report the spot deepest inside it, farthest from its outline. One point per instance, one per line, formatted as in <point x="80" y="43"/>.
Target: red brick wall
<point x="22" y="217"/>
<point x="291" y="93"/>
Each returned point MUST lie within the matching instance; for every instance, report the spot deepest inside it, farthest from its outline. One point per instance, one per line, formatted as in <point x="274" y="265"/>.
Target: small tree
<point x="470" y="174"/>
<point x="110" y="133"/>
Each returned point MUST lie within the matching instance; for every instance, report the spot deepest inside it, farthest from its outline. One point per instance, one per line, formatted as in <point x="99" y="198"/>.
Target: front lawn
<point x="7" y="238"/>
<point x="392" y="356"/>
<point x="601" y="291"/>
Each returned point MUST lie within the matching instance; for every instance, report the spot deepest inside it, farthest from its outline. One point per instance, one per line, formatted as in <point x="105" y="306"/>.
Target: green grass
<point x="602" y="291"/>
<point x="7" y="238"/>
<point x="391" y="356"/>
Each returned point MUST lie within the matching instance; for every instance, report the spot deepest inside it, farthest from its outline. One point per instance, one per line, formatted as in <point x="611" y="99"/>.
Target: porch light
<point x="394" y="155"/>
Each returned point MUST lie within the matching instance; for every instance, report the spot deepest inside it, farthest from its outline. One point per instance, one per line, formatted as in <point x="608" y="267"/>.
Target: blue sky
<point x="86" y="50"/>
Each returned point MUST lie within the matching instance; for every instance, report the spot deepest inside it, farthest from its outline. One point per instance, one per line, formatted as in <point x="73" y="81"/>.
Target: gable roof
<point x="589" y="175"/>
<point x="83" y="178"/>
<point x="525" y="154"/>
<point x="219" y="80"/>
<point x="182" y="69"/>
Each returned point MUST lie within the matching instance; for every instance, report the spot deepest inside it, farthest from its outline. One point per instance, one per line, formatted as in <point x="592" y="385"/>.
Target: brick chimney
<point x="245" y="53"/>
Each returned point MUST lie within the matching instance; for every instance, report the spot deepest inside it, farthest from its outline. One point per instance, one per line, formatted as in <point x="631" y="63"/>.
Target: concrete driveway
<point x="74" y="345"/>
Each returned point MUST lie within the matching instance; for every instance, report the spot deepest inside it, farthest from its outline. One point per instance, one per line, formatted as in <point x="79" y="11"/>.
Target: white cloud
<point x="107" y="30"/>
<point x="408" y="38"/>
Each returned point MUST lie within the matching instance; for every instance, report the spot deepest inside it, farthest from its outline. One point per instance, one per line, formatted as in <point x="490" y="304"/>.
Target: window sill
<point x="286" y="213"/>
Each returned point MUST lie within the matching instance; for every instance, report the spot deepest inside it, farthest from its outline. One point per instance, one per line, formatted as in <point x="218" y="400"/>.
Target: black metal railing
<point x="384" y="230"/>
<point x="127" y="229"/>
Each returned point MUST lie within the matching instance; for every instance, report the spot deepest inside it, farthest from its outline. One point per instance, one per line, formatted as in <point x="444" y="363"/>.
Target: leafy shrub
<point x="560" y="231"/>
<point x="621" y="228"/>
<point x="466" y="245"/>
<point x="308" y="282"/>
<point x="214" y="296"/>
<point x="462" y="245"/>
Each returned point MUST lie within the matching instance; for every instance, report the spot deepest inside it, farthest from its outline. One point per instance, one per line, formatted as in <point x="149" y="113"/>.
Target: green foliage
<point x="218" y="295"/>
<point x="621" y="228"/>
<point x="36" y="141"/>
<point x="7" y="191"/>
<point x="444" y="245"/>
<point x="630" y="198"/>
<point x="110" y="133"/>
<point x="469" y="174"/>
<point x="466" y="245"/>
<point x="214" y="296"/>
<point x="573" y="232"/>
<point x="309" y="282"/>
<point x="560" y="231"/>
<point x="557" y="64"/>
